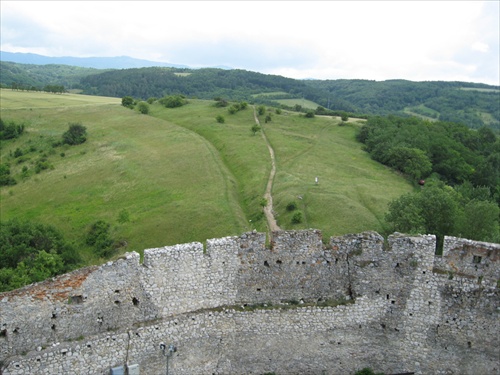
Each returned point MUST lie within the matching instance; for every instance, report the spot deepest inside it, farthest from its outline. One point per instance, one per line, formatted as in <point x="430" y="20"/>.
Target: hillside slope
<point x="179" y="176"/>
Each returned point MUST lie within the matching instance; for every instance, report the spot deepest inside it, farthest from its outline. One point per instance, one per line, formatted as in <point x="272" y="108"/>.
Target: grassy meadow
<point x="165" y="182"/>
<point x="177" y="175"/>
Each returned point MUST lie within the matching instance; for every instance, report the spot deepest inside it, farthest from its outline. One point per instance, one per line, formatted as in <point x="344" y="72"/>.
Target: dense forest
<point x="458" y="170"/>
<point x="471" y="104"/>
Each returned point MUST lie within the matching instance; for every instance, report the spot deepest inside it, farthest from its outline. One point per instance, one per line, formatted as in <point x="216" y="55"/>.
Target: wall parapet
<point x="402" y="296"/>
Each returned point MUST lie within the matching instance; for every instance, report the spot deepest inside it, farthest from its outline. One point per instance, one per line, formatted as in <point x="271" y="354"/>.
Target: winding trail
<point x="268" y="210"/>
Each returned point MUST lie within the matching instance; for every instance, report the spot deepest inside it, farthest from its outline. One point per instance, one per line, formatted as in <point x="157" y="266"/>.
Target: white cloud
<point x="325" y="39"/>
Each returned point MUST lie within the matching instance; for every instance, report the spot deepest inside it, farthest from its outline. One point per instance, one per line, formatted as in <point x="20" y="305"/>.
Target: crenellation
<point x="238" y="306"/>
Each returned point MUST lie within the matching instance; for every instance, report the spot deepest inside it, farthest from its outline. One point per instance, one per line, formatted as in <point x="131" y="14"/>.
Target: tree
<point x="344" y="117"/>
<point x="32" y="252"/>
<point x="411" y="161"/>
<point x="255" y="128"/>
<point x="143" y="108"/>
<point x="261" y="110"/>
<point x="128" y="101"/>
<point x="480" y="221"/>
<point x="75" y="135"/>
<point x="310" y="113"/>
<point x="268" y="118"/>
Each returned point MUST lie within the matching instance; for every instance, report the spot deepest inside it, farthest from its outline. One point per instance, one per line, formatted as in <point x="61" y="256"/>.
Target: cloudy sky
<point x="415" y="40"/>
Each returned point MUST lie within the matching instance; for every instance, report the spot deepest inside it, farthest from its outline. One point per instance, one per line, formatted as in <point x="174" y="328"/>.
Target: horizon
<point x="372" y="40"/>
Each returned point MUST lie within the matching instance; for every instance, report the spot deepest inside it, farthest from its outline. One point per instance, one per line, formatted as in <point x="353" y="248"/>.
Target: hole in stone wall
<point x="279" y="261"/>
<point x="430" y="303"/>
<point x="476" y="259"/>
<point x="393" y="302"/>
<point x="469" y="344"/>
<point x="117" y="291"/>
<point x="336" y="260"/>
<point x="338" y="343"/>
<point x="397" y="265"/>
<point x="53" y="327"/>
<point x="258" y="289"/>
<point x="377" y="292"/>
<point x="382" y="325"/>
<point x="135" y="301"/>
<point x="266" y="263"/>
<point x="89" y="346"/>
<point x="76" y="299"/>
<point x="423" y="272"/>
<point x="387" y="296"/>
<point x="117" y="302"/>
<point x="3" y="333"/>
<point x="298" y="262"/>
<point x="303" y="262"/>
<point x="16" y="330"/>
<point x="54" y="315"/>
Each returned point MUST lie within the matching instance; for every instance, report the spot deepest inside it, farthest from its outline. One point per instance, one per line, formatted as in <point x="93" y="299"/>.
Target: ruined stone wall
<point x="239" y="307"/>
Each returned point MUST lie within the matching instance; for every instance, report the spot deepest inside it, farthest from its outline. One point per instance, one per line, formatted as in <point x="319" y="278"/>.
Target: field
<point x="178" y="175"/>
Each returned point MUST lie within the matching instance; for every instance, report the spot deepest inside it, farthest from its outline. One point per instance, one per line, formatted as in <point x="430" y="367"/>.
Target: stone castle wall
<point x="239" y="307"/>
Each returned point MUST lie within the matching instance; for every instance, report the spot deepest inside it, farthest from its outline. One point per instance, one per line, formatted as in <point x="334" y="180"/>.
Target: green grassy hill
<point x="177" y="175"/>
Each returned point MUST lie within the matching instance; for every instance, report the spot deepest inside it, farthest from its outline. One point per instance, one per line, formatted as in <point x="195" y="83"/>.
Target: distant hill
<point x="118" y="62"/>
<point x="473" y="104"/>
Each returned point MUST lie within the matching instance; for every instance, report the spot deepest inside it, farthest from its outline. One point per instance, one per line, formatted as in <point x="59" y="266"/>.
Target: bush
<point x="75" y="135"/>
<point x="310" y="114"/>
<point x="173" y="101"/>
<point x="99" y="238"/>
<point x="297" y="217"/>
<point x="261" y="110"/>
<point x="291" y="206"/>
<point x="128" y="101"/>
<point x="10" y="130"/>
<point x="143" y="108"/>
<point x="5" y="178"/>
<point x="220" y="119"/>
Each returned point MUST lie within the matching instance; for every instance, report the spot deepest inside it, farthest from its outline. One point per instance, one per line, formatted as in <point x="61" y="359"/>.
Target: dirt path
<point x="268" y="210"/>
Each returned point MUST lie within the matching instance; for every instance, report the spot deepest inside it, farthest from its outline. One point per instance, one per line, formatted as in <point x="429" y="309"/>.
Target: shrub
<point x="10" y="130"/>
<point x="99" y="238"/>
<point x="143" y="108"/>
<point x="173" y="101"/>
<point x="297" y="217"/>
<point x="291" y="206"/>
<point x="261" y="110"/>
<point x="128" y="101"/>
<point x="310" y="114"/>
<point x="76" y="134"/>
<point x="5" y="178"/>
<point x="220" y="119"/>
<point x="219" y="102"/>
